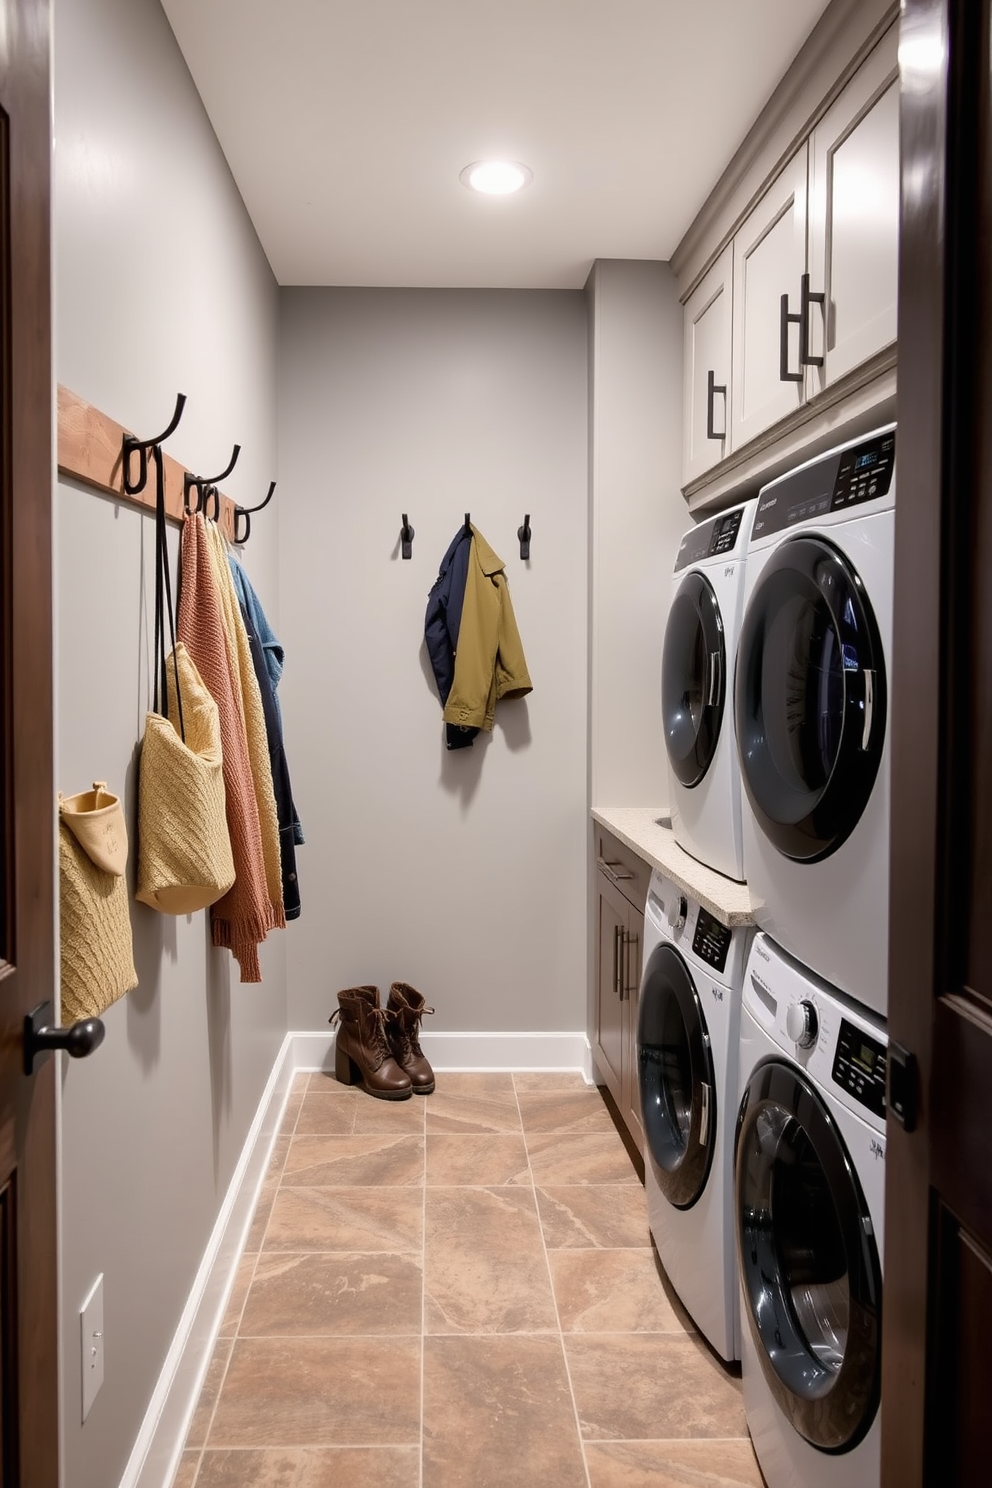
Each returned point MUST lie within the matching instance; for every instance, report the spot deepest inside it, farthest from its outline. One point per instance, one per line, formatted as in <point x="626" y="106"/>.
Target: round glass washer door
<point x="693" y="679"/>
<point x="675" y="1072"/>
<point x="807" y="1258"/>
<point x="809" y="699"/>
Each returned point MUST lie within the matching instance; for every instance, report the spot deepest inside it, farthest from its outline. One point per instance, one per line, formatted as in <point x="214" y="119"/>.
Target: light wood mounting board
<point x="90" y="446"/>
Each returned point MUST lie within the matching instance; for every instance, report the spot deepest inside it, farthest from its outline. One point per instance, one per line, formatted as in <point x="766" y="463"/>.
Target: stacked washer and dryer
<point x="804" y="1197"/>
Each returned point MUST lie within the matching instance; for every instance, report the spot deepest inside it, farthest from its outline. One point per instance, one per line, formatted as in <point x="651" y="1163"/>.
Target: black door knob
<point x="77" y="1039"/>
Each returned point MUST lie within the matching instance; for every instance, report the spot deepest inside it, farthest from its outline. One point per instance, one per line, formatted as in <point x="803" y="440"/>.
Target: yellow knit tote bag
<point x="184" y="847"/>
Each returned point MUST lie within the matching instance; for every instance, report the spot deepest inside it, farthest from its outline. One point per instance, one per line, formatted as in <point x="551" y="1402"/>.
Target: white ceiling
<point x="346" y="123"/>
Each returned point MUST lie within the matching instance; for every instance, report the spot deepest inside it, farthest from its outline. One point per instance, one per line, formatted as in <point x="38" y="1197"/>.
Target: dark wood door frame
<point x="29" y="1436"/>
<point x="938" y="1253"/>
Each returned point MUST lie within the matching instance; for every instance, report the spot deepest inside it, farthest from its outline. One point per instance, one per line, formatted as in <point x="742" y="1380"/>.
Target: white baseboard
<point x="155" y="1456"/>
<point x="448" y="1052"/>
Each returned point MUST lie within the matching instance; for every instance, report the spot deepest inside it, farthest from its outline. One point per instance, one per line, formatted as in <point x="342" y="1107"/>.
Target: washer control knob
<point x="802" y="1024"/>
<point x="678" y="908"/>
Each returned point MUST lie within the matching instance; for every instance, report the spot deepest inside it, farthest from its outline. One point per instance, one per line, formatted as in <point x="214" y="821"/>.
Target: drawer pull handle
<point x="617" y="930"/>
<point x="610" y="869"/>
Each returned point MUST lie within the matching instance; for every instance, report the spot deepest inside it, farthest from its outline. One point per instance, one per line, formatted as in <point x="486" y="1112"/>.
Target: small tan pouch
<point x="96" y="820"/>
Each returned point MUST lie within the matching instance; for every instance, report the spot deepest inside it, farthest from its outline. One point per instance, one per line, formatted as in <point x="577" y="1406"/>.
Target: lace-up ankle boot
<point x="361" y="1051"/>
<point x="404" y="1011"/>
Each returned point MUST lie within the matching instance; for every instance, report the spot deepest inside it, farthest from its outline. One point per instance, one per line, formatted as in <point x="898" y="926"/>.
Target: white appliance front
<point x="687" y="1032"/>
<point x="697" y="674"/>
<point x="808" y="1211"/>
<point x="811" y="713"/>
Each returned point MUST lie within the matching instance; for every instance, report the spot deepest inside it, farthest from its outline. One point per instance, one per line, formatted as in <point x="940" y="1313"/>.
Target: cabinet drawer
<point x="622" y="866"/>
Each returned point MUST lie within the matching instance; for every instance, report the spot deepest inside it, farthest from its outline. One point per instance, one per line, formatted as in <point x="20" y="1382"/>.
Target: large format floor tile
<point x="593" y="1214"/>
<point x="650" y="1385"/>
<point x="613" y="1291"/>
<point x="484" y="1264"/>
<point x="310" y="1295"/>
<point x="320" y="1392"/>
<point x="347" y="1219"/>
<point x="356" y="1161"/>
<point x="497" y="1414"/>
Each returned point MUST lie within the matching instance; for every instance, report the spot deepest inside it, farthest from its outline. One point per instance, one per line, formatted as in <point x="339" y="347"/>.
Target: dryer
<point x="687" y="1030"/>
<point x="811" y="710"/>
<point x="808" y="1208"/>
<point x="696" y="690"/>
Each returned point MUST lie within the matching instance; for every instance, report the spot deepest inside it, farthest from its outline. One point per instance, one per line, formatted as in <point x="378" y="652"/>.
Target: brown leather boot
<point x="361" y="1051"/>
<point x="403" y="1031"/>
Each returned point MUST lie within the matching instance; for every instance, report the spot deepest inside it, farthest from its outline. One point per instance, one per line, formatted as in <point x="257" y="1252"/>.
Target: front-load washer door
<point x="809" y="699"/>
<point x="693" y="679"/>
<point x="675" y="1070"/>
<point x="808" y="1263"/>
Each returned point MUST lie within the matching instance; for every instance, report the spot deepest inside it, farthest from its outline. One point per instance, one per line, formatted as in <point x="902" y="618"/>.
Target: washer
<point x="687" y="1032"/>
<point x="811" y="707"/>
<point x="809" y="1189"/>
<point x="696" y="672"/>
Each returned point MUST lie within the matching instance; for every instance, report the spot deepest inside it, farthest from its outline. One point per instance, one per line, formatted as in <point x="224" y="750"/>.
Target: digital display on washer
<point x="859" y="1067"/>
<point x="711" y="941"/>
<point x="717" y="535"/>
<point x="858" y="474"/>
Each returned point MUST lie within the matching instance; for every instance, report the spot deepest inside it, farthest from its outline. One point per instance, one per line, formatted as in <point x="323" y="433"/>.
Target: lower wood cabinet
<point x="622" y="880"/>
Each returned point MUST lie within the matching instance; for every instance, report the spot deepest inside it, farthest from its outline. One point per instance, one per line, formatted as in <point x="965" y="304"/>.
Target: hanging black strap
<point x="163" y="602"/>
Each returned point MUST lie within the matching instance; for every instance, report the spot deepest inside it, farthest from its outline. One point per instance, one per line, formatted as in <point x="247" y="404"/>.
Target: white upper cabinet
<point x="769" y="262"/>
<point x="854" y="219"/>
<point x="805" y="285"/>
<point x="706" y="403"/>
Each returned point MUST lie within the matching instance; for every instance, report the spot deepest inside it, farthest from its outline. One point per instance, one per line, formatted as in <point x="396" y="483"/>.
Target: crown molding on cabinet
<point x="863" y="400"/>
<point x="838" y="44"/>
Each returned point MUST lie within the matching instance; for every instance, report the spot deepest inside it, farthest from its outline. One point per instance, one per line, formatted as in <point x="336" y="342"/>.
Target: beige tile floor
<point x="459" y="1291"/>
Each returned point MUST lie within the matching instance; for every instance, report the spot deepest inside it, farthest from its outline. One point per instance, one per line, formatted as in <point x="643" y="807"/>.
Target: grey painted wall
<point x="160" y="287"/>
<point x="638" y="516"/>
<point x="461" y="872"/>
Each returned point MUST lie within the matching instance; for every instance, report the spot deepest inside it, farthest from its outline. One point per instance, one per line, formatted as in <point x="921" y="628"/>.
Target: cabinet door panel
<point x="707" y="355"/>
<point x="769" y="261"/>
<point x="610" y="1019"/>
<point x="854" y="219"/>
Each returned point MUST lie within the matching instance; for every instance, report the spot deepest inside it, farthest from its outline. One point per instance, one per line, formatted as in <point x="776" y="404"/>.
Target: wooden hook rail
<point x="89" y="450"/>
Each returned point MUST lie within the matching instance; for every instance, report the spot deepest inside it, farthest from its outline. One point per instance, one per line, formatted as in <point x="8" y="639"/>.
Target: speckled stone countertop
<point x="646" y="830"/>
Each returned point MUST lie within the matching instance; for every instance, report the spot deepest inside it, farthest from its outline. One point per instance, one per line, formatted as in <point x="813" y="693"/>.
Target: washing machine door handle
<point x="704" y="1114"/>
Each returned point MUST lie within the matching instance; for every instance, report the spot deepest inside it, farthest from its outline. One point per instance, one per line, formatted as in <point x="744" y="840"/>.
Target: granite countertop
<point x="647" y="831"/>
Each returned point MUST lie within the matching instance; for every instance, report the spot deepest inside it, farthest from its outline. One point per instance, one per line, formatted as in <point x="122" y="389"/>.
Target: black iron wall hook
<point x="523" y="533"/>
<point x="246" y="511"/>
<point x="407" y="535"/>
<point x="140" y="447"/>
<point x="207" y="486"/>
<point x="468" y="524"/>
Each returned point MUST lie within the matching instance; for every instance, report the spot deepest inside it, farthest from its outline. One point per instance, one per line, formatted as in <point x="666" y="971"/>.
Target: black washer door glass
<point x="808" y="1260"/>
<point x="693" y="672"/>
<point x="809" y="699"/>
<point x="675" y="1070"/>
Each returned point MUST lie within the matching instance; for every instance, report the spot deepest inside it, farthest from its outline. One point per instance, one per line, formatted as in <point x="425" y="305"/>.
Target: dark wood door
<point x="28" y="1318"/>
<point x="937" y="1327"/>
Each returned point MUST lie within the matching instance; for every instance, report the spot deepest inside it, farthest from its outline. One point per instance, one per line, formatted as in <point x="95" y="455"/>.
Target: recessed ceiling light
<point x="496" y="177"/>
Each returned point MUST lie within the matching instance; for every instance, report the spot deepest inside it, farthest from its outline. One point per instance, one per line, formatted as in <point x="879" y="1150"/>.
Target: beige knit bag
<point x="96" y="820"/>
<point x="184" y="847"/>
<point x="97" y="961"/>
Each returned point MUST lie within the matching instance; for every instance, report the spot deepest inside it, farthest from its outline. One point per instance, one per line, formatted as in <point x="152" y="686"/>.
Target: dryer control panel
<point x="710" y="539"/>
<point x="859" y="1067"/>
<point x="711" y="941"/>
<point x="855" y="474"/>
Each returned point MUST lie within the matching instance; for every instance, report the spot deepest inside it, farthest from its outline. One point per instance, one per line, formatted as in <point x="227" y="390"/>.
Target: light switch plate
<point x="91" y="1343"/>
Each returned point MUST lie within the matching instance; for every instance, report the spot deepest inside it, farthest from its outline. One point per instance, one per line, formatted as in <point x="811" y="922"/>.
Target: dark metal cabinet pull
<point x="806" y="298"/>
<point x="617" y="929"/>
<point x="712" y="388"/>
<point x="610" y="869"/>
<point x="630" y="945"/>
<point x="786" y="318"/>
